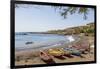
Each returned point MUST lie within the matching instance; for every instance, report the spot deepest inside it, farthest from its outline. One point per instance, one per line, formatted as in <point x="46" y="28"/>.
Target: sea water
<point x="38" y="40"/>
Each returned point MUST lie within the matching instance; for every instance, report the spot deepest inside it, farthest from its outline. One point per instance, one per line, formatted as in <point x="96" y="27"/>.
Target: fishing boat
<point x="46" y="57"/>
<point x="82" y="48"/>
<point x="73" y="51"/>
<point x="56" y="52"/>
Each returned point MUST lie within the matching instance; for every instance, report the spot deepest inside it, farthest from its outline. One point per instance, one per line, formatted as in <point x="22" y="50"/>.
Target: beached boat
<point x="56" y="52"/>
<point x="72" y="51"/>
<point x="84" y="46"/>
<point x="46" y="57"/>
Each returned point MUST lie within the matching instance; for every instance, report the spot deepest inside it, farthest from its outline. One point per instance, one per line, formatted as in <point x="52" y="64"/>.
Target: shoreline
<point x="31" y="57"/>
<point x="58" y="44"/>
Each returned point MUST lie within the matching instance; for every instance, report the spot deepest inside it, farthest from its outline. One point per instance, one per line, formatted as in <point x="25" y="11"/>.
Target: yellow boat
<point x="56" y="52"/>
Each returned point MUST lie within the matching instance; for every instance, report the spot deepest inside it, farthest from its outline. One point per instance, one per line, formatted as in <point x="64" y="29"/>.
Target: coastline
<point x="70" y="38"/>
<point x="31" y="57"/>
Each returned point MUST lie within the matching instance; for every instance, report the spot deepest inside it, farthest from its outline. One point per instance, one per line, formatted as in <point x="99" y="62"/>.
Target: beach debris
<point x="46" y="57"/>
<point x="29" y="43"/>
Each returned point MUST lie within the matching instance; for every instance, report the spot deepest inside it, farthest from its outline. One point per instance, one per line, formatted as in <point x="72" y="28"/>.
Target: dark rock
<point x="29" y="43"/>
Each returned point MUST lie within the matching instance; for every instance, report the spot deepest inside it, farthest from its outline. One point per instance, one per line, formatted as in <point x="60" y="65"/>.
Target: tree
<point x="64" y="11"/>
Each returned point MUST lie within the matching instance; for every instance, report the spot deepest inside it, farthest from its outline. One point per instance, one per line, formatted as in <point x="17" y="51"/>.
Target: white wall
<point x="5" y="34"/>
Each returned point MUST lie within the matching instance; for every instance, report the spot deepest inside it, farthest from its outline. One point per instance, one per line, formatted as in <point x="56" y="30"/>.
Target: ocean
<point x="26" y="41"/>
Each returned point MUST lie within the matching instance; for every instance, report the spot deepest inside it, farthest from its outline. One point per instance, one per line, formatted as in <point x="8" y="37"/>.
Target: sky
<point x="41" y="18"/>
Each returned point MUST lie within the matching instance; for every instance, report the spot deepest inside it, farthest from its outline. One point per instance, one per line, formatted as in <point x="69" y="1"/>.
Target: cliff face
<point x="86" y="29"/>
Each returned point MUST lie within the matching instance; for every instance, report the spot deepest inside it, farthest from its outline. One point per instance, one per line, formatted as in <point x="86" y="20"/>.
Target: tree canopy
<point x="64" y="11"/>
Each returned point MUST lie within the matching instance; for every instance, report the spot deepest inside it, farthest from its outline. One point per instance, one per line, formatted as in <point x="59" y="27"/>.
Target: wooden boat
<point x="72" y="51"/>
<point x="84" y="46"/>
<point x="46" y="57"/>
<point x="56" y="52"/>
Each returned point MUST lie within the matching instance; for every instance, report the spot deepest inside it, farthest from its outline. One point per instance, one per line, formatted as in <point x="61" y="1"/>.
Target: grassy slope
<point x="86" y="29"/>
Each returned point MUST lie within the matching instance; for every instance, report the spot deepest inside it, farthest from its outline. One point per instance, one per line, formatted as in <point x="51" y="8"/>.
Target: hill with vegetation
<point x="87" y="29"/>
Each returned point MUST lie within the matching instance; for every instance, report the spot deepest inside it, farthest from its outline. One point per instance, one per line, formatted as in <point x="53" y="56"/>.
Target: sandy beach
<point x="32" y="57"/>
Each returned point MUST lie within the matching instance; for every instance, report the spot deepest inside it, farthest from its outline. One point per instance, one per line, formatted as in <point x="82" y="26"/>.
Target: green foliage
<point x="64" y="11"/>
<point x="88" y="29"/>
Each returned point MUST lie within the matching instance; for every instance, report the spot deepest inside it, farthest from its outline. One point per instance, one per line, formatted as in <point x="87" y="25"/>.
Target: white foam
<point x="70" y="38"/>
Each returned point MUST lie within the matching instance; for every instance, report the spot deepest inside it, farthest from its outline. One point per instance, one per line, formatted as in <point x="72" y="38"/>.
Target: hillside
<point x="86" y="29"/>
